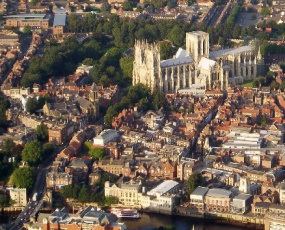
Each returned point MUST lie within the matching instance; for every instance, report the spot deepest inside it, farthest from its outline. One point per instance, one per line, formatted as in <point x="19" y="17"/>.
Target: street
<point x="39" y="187"/>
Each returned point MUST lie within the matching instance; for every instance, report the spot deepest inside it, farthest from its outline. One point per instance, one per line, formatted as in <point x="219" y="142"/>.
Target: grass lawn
<point x="247" y="84"/>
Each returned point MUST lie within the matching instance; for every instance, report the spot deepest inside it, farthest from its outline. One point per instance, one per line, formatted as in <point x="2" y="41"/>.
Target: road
<point x="39" y="187"/>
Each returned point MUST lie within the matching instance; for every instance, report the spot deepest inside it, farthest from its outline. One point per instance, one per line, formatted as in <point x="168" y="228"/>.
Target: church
<point x="194" y="68"/>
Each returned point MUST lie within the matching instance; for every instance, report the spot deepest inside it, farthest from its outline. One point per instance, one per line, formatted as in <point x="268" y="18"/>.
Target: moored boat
<point x="126" y="213"/>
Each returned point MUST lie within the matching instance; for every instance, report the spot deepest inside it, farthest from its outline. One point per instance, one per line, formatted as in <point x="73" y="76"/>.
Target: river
<point x="149" y="221"/>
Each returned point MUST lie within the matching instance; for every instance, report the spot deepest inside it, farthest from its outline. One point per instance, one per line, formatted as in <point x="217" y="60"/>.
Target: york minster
<point x="194" y="68"/>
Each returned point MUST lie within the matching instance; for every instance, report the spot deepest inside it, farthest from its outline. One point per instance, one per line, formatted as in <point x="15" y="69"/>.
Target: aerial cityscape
<point x="142" y="115"/>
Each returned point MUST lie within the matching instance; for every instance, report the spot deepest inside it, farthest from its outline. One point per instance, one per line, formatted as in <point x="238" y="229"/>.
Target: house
<point x="241" y="203"/>
<point x="197" y="199"/>
<point x="218" y="199"/>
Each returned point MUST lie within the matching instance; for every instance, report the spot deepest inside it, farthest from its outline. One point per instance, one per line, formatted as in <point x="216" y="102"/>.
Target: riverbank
<point x="243" y="221"/>
<point x="151" y="221"/>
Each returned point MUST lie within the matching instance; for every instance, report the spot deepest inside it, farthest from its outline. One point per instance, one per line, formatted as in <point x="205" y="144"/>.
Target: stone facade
<point x="194" y="67"/>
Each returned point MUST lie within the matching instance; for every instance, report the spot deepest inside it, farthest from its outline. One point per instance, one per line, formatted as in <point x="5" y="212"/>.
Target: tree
<point x="176" y="35"/>
<point x="274" y="85"/>
<point x="126" y="65"/>
<point x="109" y="200"/>
<point x="42" y="132"/>
<point x="221" y="41"/>
<point x="159" y="99"/>
<point x="127" y="6"/>
<point x="265" y="11"/>
<point x="48" y="149"/>
<point x="24" y="178"/>
<point x="193" y="181"/>
<point x="88" y="61"/>
<point x="4" y="105"/>
<point x="70" y="191"/>
<point x="32" y="152"/>
<point x="166" y="50"/>
<point x="96" y="153"/>
<point x="8" y="145"/>
<point x="31" y="105"/>
<point x="4" y="200"/>
<point x="84" y="194"/>
<point x="263" y="121"/>
<point x="27" y="30"/>
<point x="110" y="114"/>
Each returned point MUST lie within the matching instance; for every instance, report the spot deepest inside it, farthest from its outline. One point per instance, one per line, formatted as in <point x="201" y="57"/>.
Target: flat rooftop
<point x="59" y="20"/>
<point x="26" y="16"/>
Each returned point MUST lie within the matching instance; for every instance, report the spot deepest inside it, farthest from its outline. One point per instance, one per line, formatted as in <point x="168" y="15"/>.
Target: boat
<point x="126" y="213"/>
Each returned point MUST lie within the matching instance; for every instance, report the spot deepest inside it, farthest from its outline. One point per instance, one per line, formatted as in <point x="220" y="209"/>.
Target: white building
<point x="84" y="69"/>
<point x="19" y="195"/>
<point x="160" y="199"/>
<point x="195" y="65"/>
<point x="107" y="135"/>
<point x="282" y="193"/>
<point x="241" y="203"/>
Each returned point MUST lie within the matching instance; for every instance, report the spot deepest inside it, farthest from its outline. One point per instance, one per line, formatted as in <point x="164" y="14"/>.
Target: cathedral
<point x="195" y="67"/>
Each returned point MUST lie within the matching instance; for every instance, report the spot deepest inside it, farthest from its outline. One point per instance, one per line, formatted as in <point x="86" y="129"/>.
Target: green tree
<point x="32" y="152"/>
<point x="4" y="105"/>
<point x="127" y="6"/>
<point x="221" y="41"/>
<point x="159" y="99"/>
<point x="193" y="181"/>
<point x="110" y="114"/>
<point x="31" y="105"/>
<point x="24" y="178"/>
<point x="274" y="85"/>
<point x="48" y="149"/>
<point x="109" y="200"/>
<point x="176" y="35"/>
<point x="265" y="11"/>
<point x="8" y="145"/>
<point x="70" y="191"/>
<point x="42" y="132"/>
<point x="126" y="65"/>
<point x="27" y="30"/>
<point x="88" y="61"/>
<point x="96" y="153"/>
<point x="84" y="194"/>
<point x="4" y="200"/>
<point x="166" y="50"/>
<point x="263" y="121"/>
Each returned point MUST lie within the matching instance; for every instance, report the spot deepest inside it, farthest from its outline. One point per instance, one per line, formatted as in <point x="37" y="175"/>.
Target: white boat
<point x="126" y="213"/>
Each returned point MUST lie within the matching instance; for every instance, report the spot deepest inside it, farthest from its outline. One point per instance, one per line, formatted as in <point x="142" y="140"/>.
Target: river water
<point x="149" y="221"/>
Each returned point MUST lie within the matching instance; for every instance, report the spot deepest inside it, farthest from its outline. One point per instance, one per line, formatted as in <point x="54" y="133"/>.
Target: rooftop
<point x="164" y="187"/>
<point x="219" y="193"/>
<point x="26" y="16"/>
<point x="230" y="51"/>
<point x="200" y="191"/>
<point x="59" y="20"/>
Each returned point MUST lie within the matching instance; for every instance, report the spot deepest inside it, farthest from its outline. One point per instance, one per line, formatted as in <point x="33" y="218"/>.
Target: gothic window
<point x="230" y="74"/>
<point x="246" y="71"/>
<point x="187" y="84"/>
<point x="205" y="47"/>
<point x="181" y="84"/>
<point x="181" y="69"/>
